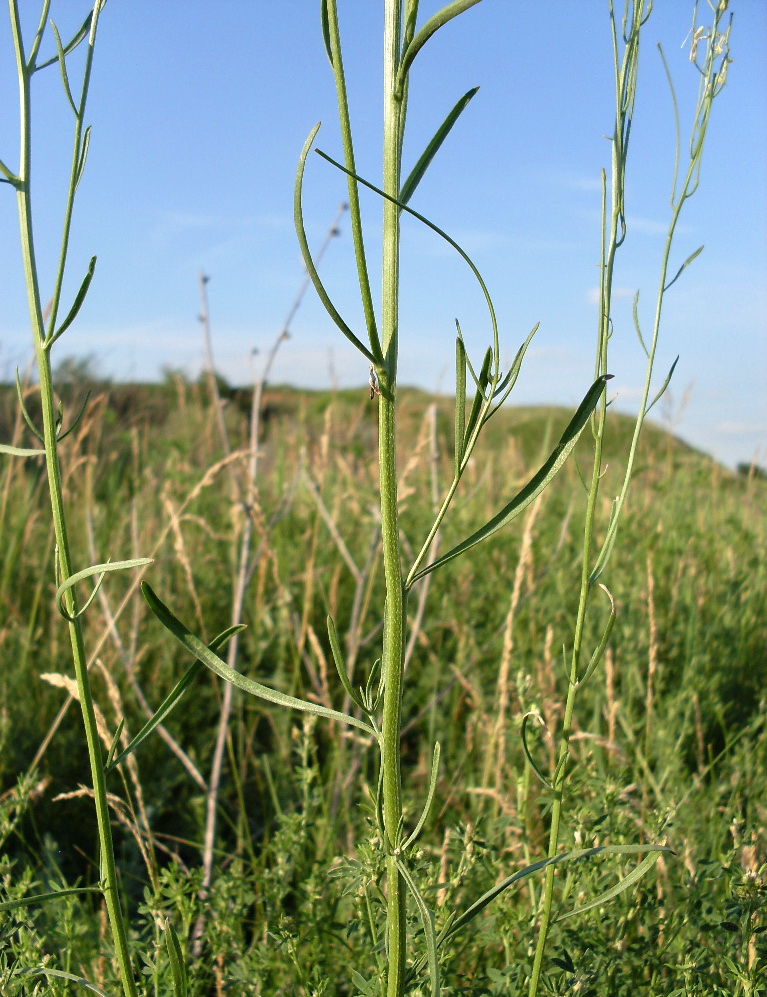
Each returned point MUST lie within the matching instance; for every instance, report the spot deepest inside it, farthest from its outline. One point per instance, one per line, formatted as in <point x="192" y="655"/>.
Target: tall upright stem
<point x="393" y="645"/>
<point x="109" y="884"/>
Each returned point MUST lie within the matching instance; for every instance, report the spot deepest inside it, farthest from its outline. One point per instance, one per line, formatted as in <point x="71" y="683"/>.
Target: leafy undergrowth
<point x="669" y="743"/>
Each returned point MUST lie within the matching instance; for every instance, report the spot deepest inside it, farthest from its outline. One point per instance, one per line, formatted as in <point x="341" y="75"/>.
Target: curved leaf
<point x="583" y="853"/>
<point x="61" y="975"/>
<point x="211" y="660"/>
<point x="417" y="173"/>
<point x="644" y="866"/>
<point x="429" y="798"/>
<point x="42" y="898"/>
<point x="20" y="451"/>
<point x="536" y="484"/>
<point x="78" y="302"/>
<point x="173" y="697"/>
<point x="95" y="569"/>
<point x="338" y="660"/>
<point x="432" y="25"/>
<point x="526" y="749"/>
<point x="311" y="269"/>
<point x="427" y="922"/>
<point x="596" y="657"/>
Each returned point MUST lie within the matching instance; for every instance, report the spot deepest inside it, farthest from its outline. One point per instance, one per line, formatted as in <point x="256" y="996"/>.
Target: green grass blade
<point x="211" y="660"/>
<point x="311" y="269"/>
<point x="535" y="485"/>
<point x="644" y="866"/>
<point x="419" y="170"/>
<point x="174" y="697"/>
<point x="427" y="922"/>
<point x="78" y="302"/>
<point x="431" y="27"/>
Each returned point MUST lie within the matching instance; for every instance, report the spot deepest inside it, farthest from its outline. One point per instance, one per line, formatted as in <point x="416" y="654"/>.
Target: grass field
<point x="669" y="738"/>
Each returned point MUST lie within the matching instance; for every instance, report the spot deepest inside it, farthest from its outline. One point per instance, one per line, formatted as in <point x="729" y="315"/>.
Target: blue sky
<point x="199" y="111"/>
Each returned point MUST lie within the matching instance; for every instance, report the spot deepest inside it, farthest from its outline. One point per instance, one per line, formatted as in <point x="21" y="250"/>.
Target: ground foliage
<point x="669" y="743"/>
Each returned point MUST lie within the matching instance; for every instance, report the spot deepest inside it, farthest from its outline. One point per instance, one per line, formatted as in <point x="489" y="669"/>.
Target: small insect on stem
<point x="374" y="389"/>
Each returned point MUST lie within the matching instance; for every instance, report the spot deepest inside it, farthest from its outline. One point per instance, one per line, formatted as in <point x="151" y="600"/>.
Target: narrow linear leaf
<point x="609" y="543"/>
<point x="83" y="156"/>
<point x="27" y="418"/>
<point x="338" y="660"/>
<point x="78" y="302"/>
<point x="325" y="25"/>
<point x="596" y="657"/>
<point x="536" y="484"/>
<point x="583" y="853"/>
<point x="20" y="451"/>
<point x="419" y="170"/>
<point x="76" y="422"/>
<point x="506" y="386"/>
<point x="63" y="68"/>
<point x="72" y="44"/>
<point x="432" y="25"/>
<point x="298" y="215"/>
<point x="460" y="402"/>
<point x="531" y="762"/>
<point x="479" y="398"/>
<point x="429" y="798"/>
<point x="435" y="228"/>
<point x="42" y="898"/>
<point x="663" y="387"/>
<point x="173" y="698"/>
<point x="95" y="569"/>
<point x="683" y="267"/>
<point x="644" y="867"/>
<point x="176" y="959"/>
<point x="637" y="327"/>
<point x="61" y="975"/>
<point x="115" y="742"/>
<point x="211" y="660"/>
<point x="427" y="921"/>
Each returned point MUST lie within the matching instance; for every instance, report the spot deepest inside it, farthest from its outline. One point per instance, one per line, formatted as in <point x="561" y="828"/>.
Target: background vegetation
<point x="672" y="746"/>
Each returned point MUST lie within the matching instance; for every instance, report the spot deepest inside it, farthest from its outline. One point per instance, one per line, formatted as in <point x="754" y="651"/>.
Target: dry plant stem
<point x="25" y="66"/>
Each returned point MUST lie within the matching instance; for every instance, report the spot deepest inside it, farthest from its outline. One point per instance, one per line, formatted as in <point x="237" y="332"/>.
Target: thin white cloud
<point x="734" y="428"/>
<point x="592" y="295"/>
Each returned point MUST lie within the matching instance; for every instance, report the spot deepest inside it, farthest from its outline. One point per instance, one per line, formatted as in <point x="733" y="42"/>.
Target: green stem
<point x="394" y="614"/>
<point x="109" y="885"/>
